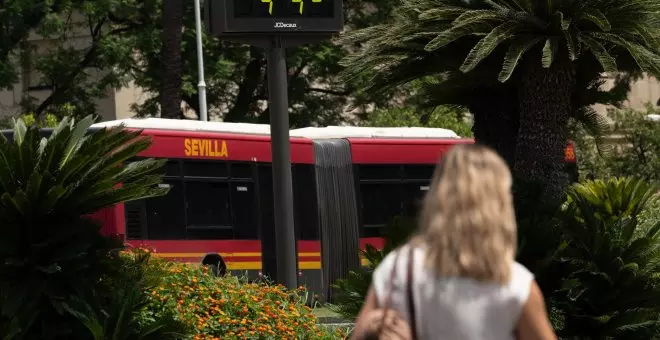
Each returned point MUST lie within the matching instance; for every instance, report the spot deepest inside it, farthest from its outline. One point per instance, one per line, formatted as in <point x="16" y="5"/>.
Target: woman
<point x="466" y="284"/>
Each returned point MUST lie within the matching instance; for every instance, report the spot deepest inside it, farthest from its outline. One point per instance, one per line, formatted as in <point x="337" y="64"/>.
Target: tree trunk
<point x="171" y="93"/>
<point x="495" y="125"/>
<point x="247" y="90"/>
<point x="544" y="97"/>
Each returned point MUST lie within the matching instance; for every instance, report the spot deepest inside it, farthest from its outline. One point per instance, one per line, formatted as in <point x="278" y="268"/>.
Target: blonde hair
<point x="467" y="220"/>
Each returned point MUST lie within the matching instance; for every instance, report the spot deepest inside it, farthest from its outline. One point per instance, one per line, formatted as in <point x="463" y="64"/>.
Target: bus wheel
<point x="216" y="263"/>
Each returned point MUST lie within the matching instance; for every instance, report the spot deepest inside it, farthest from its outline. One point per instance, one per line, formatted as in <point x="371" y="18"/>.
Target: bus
<point x="348" y="183"/>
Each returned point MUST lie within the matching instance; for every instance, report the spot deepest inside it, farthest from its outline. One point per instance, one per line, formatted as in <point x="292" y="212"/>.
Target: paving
<point x="330" y="319"/>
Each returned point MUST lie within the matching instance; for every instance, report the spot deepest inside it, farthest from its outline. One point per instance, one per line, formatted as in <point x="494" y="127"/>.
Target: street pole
<point x="285" y="241"/>
<point x="203" y="116"/>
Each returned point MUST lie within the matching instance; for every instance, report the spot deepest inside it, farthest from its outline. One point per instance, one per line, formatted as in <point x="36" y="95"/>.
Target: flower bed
<point x="230" y="308"/>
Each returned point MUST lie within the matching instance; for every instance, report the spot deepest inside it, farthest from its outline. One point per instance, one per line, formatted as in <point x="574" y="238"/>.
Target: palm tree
<point x="171" y="93"/>
<point x="392" y="54"/>
<point x="561" y="46"/>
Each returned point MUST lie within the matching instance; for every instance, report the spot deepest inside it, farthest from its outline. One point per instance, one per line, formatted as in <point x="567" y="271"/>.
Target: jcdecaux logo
<point x="280" y="24"/>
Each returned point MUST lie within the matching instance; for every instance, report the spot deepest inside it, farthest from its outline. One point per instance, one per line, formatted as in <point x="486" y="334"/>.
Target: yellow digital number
<point x="300" y="6"/>
<point x="270" y="5"/>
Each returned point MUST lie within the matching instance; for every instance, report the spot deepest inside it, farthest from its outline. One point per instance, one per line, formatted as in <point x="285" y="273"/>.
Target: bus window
<point x="418" y="172"/>
<point x="207" y="169"/>
<point x="380" y="196"/>
<point x="413" y="196"/>
<point x="173" y="168"/>
<point x="165" y="214"/>
<point x="136" y="216"/>
<point x="266" y="222"/>
<point x="572" y="172"/>
<point x="207" y="210"/>
<point x="380" y="203"/>
<point x="243" y="210"/>
<point x="375" y="172"/>
<point x="241" y="170"/>
<point x="305" y="202"/>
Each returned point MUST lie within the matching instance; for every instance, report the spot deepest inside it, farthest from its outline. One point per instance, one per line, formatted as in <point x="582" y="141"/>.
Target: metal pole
<point x="200" y="63"/>
<point x="285" y="241"/>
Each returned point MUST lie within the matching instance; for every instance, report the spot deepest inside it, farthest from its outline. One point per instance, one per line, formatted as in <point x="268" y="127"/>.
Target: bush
<point x="123" y="293"/>
<point x="49" y="120"/>
<point x="230" y="308"/>
<point x="52" y="257"/>
<point x="611" y="284"/>
<point x="650" y="216"/>
<point x="636" y="153"/>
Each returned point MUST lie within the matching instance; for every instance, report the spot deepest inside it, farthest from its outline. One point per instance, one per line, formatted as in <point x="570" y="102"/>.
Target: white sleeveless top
<point x="454" y="308"/>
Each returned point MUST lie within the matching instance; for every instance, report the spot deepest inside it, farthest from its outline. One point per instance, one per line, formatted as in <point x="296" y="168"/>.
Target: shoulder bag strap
<point x="390" y="282"/>
<point x="410" y="296"/>
<point x="390" y="287"/>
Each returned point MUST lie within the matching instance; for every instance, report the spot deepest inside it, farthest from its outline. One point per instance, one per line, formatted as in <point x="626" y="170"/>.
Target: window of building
<point x="33" y="78"/>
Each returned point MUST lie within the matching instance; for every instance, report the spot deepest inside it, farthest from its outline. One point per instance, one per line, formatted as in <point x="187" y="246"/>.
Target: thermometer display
<point x="286" y="9"/>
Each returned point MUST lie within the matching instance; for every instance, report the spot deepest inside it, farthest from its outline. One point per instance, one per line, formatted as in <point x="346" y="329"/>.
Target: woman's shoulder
<point x="521" y="280"/>
<point x="393" y="267"/>
<point x="520" y="272"/>
<point x="385" y="266"/>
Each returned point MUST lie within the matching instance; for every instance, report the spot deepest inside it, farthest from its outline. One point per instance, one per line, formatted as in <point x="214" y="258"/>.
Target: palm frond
<point x="600" y="52"/>
<point x="647" y="60"/>
<point x="595" y="124"/>
<point x="598" y="18"/>
<point x="549" y="51"/>
<point x="516" y="50"/>
<point x="454" y="33"/>
<point x="486" y="45"/>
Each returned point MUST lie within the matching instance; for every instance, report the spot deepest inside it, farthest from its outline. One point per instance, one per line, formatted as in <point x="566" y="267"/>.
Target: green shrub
<point x="650" y="216"/>
<point x="49" y="120"/>
<point x="52" y="257"/>
<point x="611" y="286"/>
<point x="123" y="294"/>
<point x="634" y="152"/>
<point x="231" y="308"/>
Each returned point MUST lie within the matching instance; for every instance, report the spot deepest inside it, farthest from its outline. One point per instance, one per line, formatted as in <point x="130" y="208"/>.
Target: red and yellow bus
<point x="348" y="183"/>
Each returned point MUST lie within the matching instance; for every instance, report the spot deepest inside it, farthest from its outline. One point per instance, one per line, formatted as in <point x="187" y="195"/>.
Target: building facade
<point x="642" y="92"/>
<point x="32" y="86"/>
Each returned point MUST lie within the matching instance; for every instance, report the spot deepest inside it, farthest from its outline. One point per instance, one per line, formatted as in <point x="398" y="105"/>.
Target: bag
<point x="398" y="322"/>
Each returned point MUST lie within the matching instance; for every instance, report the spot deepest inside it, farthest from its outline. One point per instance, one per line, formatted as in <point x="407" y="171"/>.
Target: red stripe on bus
<point x="233" y="246"/>
<point x="250" y="148"/>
